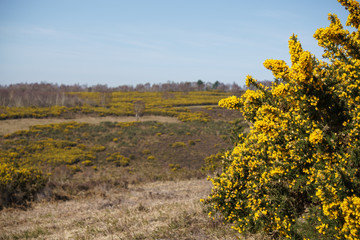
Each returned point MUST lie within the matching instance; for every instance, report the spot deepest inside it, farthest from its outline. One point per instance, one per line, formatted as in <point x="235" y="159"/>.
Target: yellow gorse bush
<point x="297" y="173"/>
<point x="19" y="184"/>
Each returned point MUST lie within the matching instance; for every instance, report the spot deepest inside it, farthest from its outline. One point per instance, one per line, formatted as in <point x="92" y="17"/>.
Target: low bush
<point x="19" y="185"/>
<point x="213" y="162"/>
<point x="178" y="144"/>
<point x="118" y="159"/>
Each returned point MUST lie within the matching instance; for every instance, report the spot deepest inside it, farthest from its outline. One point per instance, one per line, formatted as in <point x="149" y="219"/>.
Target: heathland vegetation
<point x="77" y="145"/>
<point x="70" y="161"/>
<point x="47" y="100"/>
<point x="284" y="164"/>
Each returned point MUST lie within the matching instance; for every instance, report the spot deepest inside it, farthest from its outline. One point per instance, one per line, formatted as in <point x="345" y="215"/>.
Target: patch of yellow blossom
<point x="350" y="208"/>
<point x="230" y="103"/>
<point x="280" y="90"/>
<point x="278" y="67"/>
<point x="316" y="136"/>
<point x="295" y="49"/>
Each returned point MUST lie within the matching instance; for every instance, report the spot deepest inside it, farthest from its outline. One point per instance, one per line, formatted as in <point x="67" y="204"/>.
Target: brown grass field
<point x="157" y="210"/>
<point x="139" y="207"/>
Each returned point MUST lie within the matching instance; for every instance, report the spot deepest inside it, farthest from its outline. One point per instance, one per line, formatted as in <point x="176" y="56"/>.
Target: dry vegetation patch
<point x="114" y="178"/>
<point x="158" y="210"/>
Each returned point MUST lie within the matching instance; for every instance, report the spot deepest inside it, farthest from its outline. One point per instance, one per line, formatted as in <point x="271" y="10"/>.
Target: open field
<point x="157" y="210"/>
<point x="285" y="164"/>
<point x="173" y="104"/>
<point x="112" y="177"/>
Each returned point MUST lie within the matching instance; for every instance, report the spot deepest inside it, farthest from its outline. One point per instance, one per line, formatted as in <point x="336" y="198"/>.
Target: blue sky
<point x="137" y="41"/>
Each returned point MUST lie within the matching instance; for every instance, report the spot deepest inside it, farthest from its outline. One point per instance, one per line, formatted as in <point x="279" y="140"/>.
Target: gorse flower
<point x="298" y="168"/>
<point x="280" y="90"/>
<point x="230" y="102"/>
<point x="278" y="67"/>
<point x="316" y="136"/>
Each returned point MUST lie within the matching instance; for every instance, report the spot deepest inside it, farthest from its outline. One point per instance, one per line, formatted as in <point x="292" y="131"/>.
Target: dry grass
<point x="102" y="205"/>
<point x="158" y="210"/>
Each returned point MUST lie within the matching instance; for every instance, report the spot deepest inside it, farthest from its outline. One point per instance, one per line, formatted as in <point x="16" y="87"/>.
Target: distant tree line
<point x="38" y="94"/>
<point x="47" y="94"/>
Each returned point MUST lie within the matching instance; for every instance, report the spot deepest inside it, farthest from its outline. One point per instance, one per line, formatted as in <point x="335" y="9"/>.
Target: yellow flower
<point x="278" y="67"/>
<point x="316" y="136"/>
<point x="230" y="102"/>
<point x="280" y="90"/>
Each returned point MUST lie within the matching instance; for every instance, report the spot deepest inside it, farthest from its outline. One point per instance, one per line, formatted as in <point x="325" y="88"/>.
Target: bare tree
<point x="105" y="98"/>
<point x="139" y="109"/>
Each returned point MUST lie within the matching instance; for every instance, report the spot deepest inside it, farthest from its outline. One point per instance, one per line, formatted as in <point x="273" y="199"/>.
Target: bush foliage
<point x="297" y="173"/>
<point x="18" y="185"/>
